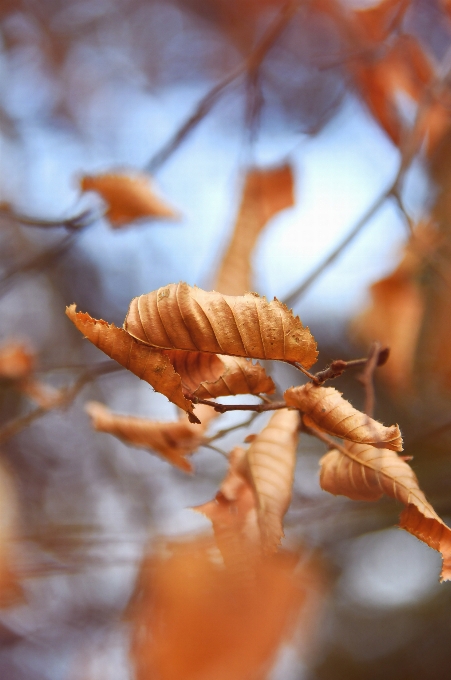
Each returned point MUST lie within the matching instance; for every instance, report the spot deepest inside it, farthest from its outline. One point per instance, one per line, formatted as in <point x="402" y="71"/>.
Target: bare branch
<point x="366" y="377"/>
<point x="250" y="65"/>
<point x="75" y="223"/>
<point x="67" y="397"/>
<point x="37" y="263"/>
<point x="302" y="288"/>
<point x="258" y="408"/>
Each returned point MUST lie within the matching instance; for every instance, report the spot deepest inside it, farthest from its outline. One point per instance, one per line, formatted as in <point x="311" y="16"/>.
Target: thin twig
<point x="75" y="223"/>
<point x="302" y="288"/>
<point x="226" y="430"/>
<point x="258" y="408"/>
<point x="338" y="366"/>
<point x="215" y="448"/>
<point x="203" y="107"/>
<point x="67" y="397"/>
<point x="38" y="262"/>
<point x="366" y="378"/>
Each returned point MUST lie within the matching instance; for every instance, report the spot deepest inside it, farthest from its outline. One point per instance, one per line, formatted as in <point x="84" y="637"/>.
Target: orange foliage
<point x="194" y="619"/>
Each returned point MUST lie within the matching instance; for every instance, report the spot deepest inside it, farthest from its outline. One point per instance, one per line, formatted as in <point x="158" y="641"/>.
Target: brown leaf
<point x="265" y="193"/>
<point x="193" y="620"/>
<point x="363" y="472"/>
<point x="272" y="459"/>
<point x="233" y="514"/>
<point x="147" y="363"/>
<point x="397" y="308"/>
<point x="208" y="376"/>
<point x="172" y="440"/>
<point x="128" y="197"/>
<point x="378" y="21"/>
<point x="403" y="68"/>
<point x="10" y="589"/>
<point x="16" y="361"/>
<point x="180" y="317"/>
<point x="333" y="414"/>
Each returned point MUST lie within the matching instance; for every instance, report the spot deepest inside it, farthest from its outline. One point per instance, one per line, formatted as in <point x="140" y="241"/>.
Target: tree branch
<point x="204" y="105"/>
<point x="223" y="408"/>
<point x="67" y="397"/>
<point x="299" y="291"/>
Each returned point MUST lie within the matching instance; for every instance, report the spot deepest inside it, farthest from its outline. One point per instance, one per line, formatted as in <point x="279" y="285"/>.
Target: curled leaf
<point x="172" y="440"/>
<point x="266" y="192"/>
<point x="272" y="459"/>
<point x="362" y="472"/>
<point x="180" y="317"/>
<point x="333" y="414"/>
<point x="233" y="514"/>
<point x="147" y="363"/>
<point x="208" y="376"/>
<point x="128" y="197"/>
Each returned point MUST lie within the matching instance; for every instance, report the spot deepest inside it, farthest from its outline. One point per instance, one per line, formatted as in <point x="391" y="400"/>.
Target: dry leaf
<point x="145" y="362"/>
<point x="397" y="308"/>
<point x="10" y="590"/>
<point x="403" y="68"/>
<point x="330" y="412"/>
<point x="377" y="22"/>
<point x="265" y="193"/>
<point x="16" y="361"/>
<point x="363" y="472"/>
<point x="208" y="376"/>
<point x="172" y="440"/>
<point x="192" y="620"/>
<point x="272" y="459"/>
<point x="180" y="317"/>
<point x="128" y="197"/>
<point x="233" y="514"/>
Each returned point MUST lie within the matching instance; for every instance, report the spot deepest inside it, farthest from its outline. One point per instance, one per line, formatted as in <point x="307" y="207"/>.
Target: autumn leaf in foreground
<point x="365" y="473"/>
<point x="172" y="440"/>
<point x="128" y="197"/>
<point x="208" y="376"/>
<point x="265" y="193"/>
<point x="180" y="317"/>
<point x="147" y="363"/>
<point x="272" y="459"/>
<point x="333" y="414"/>
<point x="193" y="620"/>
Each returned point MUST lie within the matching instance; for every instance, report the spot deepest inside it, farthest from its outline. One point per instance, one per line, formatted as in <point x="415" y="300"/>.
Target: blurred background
<point x="355" y="98"/>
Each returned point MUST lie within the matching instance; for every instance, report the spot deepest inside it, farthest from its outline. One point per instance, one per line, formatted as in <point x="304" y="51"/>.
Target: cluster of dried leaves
<point x="195" y="346"/>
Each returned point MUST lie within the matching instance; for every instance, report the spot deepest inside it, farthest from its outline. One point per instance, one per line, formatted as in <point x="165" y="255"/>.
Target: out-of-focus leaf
<point x="180" y="317"/>
<point x="16" y="361"/>
<point x="397" y="307"/>
<point x="147" y="363"/>
<point x="363" y="472"/>
<point x="207" y="375"/>
<point x="265" y="193"/>
<point x="10" y="589"/>
<point x="128" y="197"/>
<point x="172" y="440"/>
<point x="330" y="412"/>
<point x="378" y="21"/>
<point x="193" y="619"/>
<point x="404" y="68"/>
<point x="233" y="514"/>
<point x="272" y="459"/>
